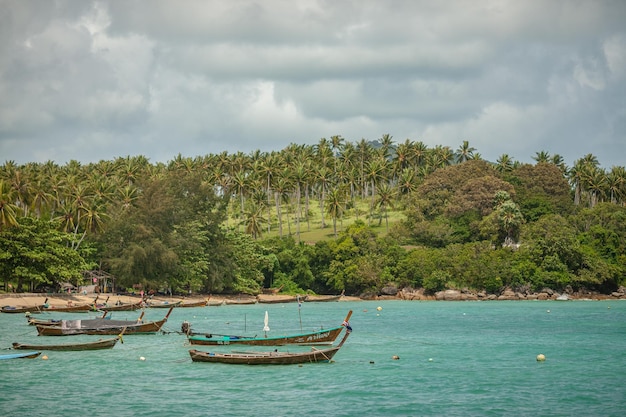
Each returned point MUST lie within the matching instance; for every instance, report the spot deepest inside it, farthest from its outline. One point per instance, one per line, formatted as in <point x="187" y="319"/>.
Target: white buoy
<point x="541" y="357"/>
<point x="379" y="308"/>
<point x="430" y="359"/>
<point x="141" y="358"/>
<point x="395" y="357"/>
<point x="44" y="357"/>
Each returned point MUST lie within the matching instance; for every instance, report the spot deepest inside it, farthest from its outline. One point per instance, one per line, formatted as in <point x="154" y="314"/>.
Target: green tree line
<point x="233" y="223"/>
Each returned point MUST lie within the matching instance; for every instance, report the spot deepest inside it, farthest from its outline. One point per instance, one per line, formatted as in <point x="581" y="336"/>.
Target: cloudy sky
<point x="93" y="80"/>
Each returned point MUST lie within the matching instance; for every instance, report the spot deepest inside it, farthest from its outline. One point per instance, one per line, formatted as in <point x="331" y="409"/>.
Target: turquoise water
<point x="456" y="359"/>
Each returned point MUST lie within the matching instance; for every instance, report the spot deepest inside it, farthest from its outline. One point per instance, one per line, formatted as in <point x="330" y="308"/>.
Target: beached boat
<point x="164" y="304"/>
<point x="103" y="326"/>
<point x="94" y="345"/>
<point x="25" y="309"/>
<point x="201" y="303"/>
<point x="122" y="306"/>
<point x="275" y="299"/>
<point x="270" y="358"/>
<point x="81" y="308"/>
<point x="323" y="298"/>
<point x="319" y="337"/>
<point x="240" y="301"/>
<point x="271" y="290"/>
<point x="20" y="355"/>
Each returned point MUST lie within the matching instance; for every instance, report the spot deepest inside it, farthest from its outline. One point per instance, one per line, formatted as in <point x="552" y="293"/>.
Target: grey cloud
<point x="96" y="80"/>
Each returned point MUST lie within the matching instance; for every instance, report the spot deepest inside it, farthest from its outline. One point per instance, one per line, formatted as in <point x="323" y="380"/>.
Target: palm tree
<point x="464" y="152"/>
<point x="323" y="177"/>
<point x="336" y="206"/>
<point x="8" y="209"/>
<point x="542" y="157"/>
<point x="408" y="181"/>
<point x="440" y="156"/>
<point x="504" y="163"/>
<point x="376" y="170"/>
<point x="253" y="220"/>
<point x="386" y="197"/>
<point x="616" y="182"/>
<point x="386" y="145"/>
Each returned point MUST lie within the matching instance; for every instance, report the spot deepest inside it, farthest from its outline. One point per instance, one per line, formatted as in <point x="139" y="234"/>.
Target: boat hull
<point x="97" y="345"/>
<point x="322" y="337"/>
<point x="20" y="355"/>
<point x="264" y="358"/>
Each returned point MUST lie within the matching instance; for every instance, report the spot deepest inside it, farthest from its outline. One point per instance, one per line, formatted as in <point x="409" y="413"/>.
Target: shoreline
<point x="61" y="299"/>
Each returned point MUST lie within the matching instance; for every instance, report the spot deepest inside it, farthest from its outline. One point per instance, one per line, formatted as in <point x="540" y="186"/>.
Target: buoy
<point x="141" y="358"/>
<point x="541" y="357"/>
<point x="371" y="361"/>
<point x="395" y="357"/>
<point x="430" y="359"/>
<point x="547" y="311"/>
<point x="379" y="308"/>
<point x="44" y="357"/>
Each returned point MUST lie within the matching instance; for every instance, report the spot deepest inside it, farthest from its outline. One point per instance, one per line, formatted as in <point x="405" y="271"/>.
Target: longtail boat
<point x="95" y="345"/>
<point x="50" y="322"/>
<point x="270" y="358"/>
<point x="240" y="301"/>
<point x="81" y="308"/>
<point x="165" y="304"/>
<point x="122" y="307"/>
<point x="25" y="309"/>
<point x="201" y="303"/>
<point x="275" y="299"/>
<point x="319" y="337"/>
<point x="271" y="290"/>
<point x="20" y="355"/>
<point x="103" y="326"/>
<point x="323" y="298"/>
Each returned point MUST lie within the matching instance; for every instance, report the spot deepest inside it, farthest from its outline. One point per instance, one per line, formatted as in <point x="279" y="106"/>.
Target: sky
<point x="97" y="80"/>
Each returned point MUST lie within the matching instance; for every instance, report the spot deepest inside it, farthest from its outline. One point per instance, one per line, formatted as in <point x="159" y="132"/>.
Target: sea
<point x="403" y="358"/>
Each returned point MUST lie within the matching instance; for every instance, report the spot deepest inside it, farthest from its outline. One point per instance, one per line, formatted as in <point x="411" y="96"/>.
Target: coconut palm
<point x="464" y="153"/>
<point x="336" y="206"/>
<point x="253" y="220"/>
<point x="504" y="163"/>
<point x="385" y="198"/>
<point x="542" y="157"/>
<point x="8" y="209"/>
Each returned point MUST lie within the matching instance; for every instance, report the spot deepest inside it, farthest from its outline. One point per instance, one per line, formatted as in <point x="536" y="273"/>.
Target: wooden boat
<point x="240" y="301"/>
<point x="20" y="355"/>
<point x="165" y="304"/>
<point x="122" y="307"/>
<point x="201" y="303"/>
<point x="25" y="309"/>
<point x="49" y="322"/>
<point x="95" y="345"/>
<point x="271" y="290"/>
<point x="280" y="299"/>
<point x="103" y="326"/>
<point x="320" y="337"/>
<point x="323" y="298"/>
<point x="81" y="308"/>
<point x="270" y="358"/>
<point x="216" y="303"/>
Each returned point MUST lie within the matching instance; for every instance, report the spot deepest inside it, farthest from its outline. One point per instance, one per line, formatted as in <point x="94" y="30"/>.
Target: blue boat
<point x="21" y="355"/>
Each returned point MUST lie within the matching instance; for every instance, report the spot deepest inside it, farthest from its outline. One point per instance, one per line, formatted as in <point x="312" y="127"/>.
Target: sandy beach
<point x="59" y="299"/>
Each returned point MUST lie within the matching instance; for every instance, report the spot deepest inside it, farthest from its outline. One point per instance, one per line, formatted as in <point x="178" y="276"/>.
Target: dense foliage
<point x="234" y="223"/>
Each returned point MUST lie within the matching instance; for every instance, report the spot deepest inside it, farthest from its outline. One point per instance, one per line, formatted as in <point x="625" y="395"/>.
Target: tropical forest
<point x="337" y="216"/>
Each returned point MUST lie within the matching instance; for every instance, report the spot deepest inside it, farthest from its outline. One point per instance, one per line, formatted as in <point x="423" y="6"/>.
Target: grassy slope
<point x="313" y="231"/>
